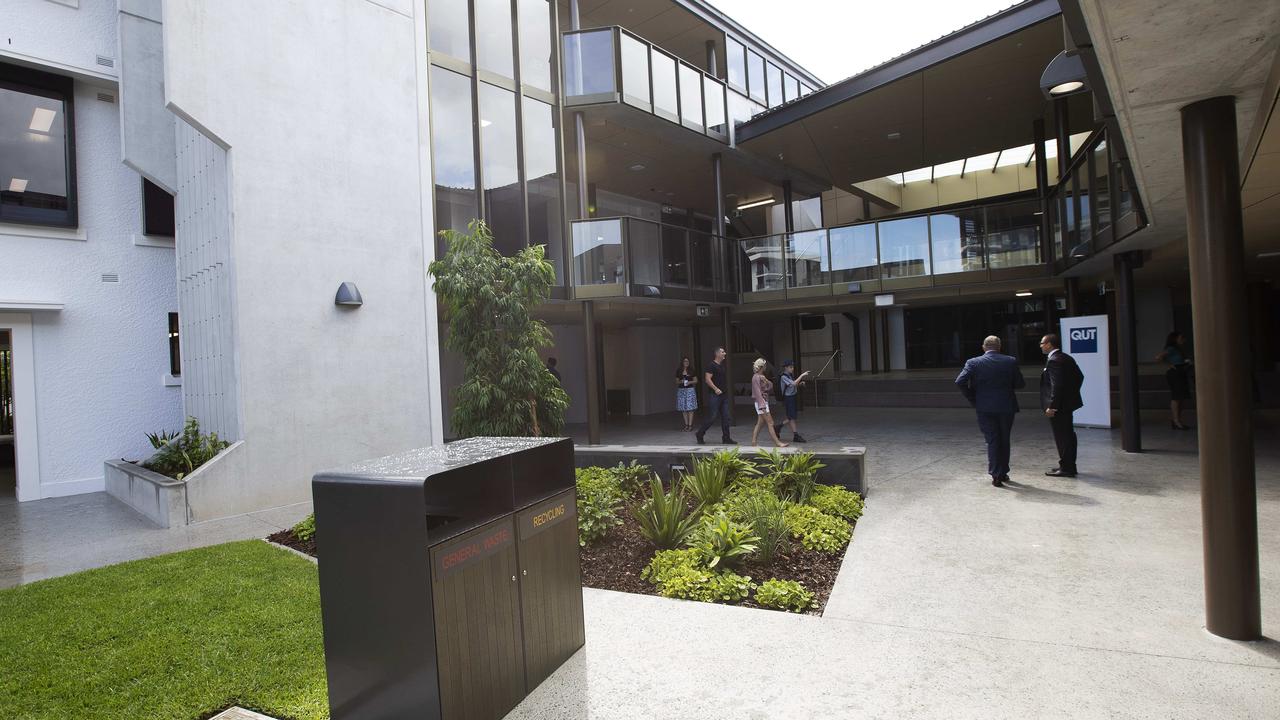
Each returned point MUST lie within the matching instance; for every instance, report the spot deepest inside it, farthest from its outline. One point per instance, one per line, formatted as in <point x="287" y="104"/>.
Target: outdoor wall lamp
<point x="1064" y="76"/>
<point x="348" y="295"/>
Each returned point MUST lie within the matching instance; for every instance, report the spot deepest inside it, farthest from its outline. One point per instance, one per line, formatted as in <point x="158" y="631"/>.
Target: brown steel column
<point x="1073" y="296"/>
<point x="872" y="331"/>
<point x="593" y="375"/>
<point x="726" y="328"/>
<point x="886" y="351"/>
<point x="1127" y="349"/>
<point x="1215" y="245"/>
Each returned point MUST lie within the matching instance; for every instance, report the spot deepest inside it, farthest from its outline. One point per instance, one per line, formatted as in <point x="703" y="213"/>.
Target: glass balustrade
<point x="651" y="259"/>
<point x="1093" y="206"/>
<point x="588" y="62"/>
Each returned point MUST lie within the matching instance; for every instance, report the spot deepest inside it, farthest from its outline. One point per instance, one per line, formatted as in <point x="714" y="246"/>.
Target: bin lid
<point x="420" y="463"/>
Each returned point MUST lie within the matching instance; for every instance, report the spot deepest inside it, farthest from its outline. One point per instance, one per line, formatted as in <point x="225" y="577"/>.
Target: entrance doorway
<point x="19" y="451"/>
<point x="8" y="462"/>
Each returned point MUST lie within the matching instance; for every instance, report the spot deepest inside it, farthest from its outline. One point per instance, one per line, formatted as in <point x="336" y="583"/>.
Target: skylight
<point x="1022" y="155"/>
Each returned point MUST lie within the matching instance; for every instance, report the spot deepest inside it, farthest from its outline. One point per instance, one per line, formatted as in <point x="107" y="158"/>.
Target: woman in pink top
<point x="760" y="389"/>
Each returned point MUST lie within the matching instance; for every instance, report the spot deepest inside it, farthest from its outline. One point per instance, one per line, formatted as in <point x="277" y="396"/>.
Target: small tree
<point x="490" y="299"/>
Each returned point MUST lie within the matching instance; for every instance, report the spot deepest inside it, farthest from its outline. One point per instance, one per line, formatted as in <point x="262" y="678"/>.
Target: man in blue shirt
<point x="988" y="382"/>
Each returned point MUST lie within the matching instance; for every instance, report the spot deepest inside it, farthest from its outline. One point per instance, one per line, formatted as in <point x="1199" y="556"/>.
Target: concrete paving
<point x="1049" y="598"/>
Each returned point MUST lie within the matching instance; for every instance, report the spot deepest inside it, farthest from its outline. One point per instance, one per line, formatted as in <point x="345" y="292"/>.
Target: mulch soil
<point x="288" y="539"/>
<point x="615" y="561"/>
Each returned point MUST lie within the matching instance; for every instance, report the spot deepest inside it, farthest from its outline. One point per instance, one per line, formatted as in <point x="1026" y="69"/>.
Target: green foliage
<point x="680" y="574"/>
<point x="786" y="595"/>
<point x="733" y="503"/>
<point x="794" y="474"/>
<point x="664" y="520"/>
<point x="599" y="499"/>
<point x="765" y="514"/>
<point x="723" y="542"/>
<point x="180" y="456"/>
<point x="160" y="439"/>
<point x="735" y="466"/>
<point x="817" y="530"/>
<point x="632" y="476"/>
<point x="837" y="501"/>
<point x="306" y="528"/>
<point x="707" y="482"/>
<point x="506" y="389"/>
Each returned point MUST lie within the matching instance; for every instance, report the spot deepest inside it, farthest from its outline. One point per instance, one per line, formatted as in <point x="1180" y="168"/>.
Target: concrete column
<point x="711" y="58"/>
<point x="1127" y="346"/>
<point x="589" y="335"/>
<point x="1215" y="245"/>
<point x="726" y="330"/>
<point x="787" y="215"/>
<point x="575" y="17"/>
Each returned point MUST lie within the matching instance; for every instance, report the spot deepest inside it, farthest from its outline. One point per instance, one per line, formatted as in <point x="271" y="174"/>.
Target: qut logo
<point x="1084" y="340"/>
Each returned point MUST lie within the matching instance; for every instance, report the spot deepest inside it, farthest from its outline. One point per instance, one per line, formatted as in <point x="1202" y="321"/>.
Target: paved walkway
<point x="1049" y="598"/>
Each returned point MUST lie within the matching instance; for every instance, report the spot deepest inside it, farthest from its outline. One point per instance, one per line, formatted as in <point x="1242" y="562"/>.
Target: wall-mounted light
<point x="757" y="203"/>
<point x="348" y="295"/>
<point x="1064" y="76"/>
<point x="1023" y="293"/>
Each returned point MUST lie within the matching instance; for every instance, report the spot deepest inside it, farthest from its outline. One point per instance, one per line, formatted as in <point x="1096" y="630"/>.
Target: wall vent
<point x="106" y="97"/>
<point x="110" y="277"/>
<point x="106" y="61"/>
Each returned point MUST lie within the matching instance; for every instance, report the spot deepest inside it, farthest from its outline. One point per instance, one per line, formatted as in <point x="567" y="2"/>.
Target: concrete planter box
<point x="209" y="492"/>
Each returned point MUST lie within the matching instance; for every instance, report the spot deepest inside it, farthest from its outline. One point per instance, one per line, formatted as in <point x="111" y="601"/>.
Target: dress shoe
<point x="797" y="438"/>
<point x="1059" y="472"/>
<point x="726" y="440"/>
<point x="998" y="482"/>
<point x="701" y="441"/>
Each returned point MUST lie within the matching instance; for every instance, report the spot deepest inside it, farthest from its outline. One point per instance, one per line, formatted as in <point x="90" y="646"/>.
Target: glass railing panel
<point x="665" y="97"/>
<point x="957" y="241"/>
<point x="724" y="256"/>
<point x="645" y="240"/>
<point x="675" y="256"/>
<point x="1013" y="235"/>
<point x="635" y="71"/>
<point x="1101" y="184"/>
<point x="690" y="96"/>
<point x="904" y="247"/>
<point x="853" y="254"/>
<point x="714" y="100"/>
<point x="806" y="257"/>
<point x="588" y="63"/>
<point x="701" y="258"/>
<point x="762" y="264"/>
<point x="597" y="252"/>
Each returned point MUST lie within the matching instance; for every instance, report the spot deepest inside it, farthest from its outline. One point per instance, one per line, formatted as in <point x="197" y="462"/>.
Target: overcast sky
<point x="837" y="38"/>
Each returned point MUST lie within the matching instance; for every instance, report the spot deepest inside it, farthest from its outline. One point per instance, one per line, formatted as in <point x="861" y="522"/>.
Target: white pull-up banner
<point x="1085" y="339"/>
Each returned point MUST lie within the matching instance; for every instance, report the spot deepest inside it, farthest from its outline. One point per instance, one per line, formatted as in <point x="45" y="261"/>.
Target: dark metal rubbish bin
<point x="449" y="578"/>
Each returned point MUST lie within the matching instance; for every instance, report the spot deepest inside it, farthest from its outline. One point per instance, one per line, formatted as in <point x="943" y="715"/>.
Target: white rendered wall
<point x="101" y="362"/>
<point x="59" y="37"/>
<point x="322" y="109"/>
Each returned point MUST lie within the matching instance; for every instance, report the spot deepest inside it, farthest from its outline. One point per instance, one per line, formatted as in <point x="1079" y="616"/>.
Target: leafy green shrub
<point x="786" y="595"/>
<point x="817" y="530"/>
<point x="181" y="455"/>
<point x="721" y="541"/>
<point x="706" y="483"/>
<point x="735" y="466"/>
<point x="680" y="574"/>
<point x="734" y="502"/>
<point x="664" y="520"/>
<point x="765" y="514"/>
<point x="794" y="475"/>
<point x="306" y="529"/>
<point x="837" y="501"/>
<point x="632" y="476"/>
<point x="599" y="499"/>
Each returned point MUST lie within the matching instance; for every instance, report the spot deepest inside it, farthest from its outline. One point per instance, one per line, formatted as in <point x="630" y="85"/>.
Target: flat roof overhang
<point x="972" y="92"/>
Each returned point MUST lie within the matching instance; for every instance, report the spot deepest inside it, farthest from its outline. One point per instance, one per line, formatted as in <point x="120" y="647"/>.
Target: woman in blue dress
<point x="1178" y="376"/>
<point x="686" y="392"/>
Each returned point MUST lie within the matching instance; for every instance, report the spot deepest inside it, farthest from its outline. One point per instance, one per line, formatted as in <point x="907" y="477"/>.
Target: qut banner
<point x="1085" y="339"/>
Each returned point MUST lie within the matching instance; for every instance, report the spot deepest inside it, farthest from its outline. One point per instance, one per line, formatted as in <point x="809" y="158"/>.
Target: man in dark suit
<point x="1060" y="398"/>
<point x="988" y="382"/>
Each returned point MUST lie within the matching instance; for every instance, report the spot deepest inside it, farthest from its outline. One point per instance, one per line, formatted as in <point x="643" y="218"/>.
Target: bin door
<point x="477" y="611"/>
<point x="550" y="585"/>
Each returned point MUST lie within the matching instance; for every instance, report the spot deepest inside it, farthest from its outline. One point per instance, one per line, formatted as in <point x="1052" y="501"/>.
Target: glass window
<point x="535" y="43"/>
<point x="904" y="247"/>
<point x="773" y="75"/>
<point x="37" y="179"/>
<point x="762" y="263"/>
<point x="806" y="258"/>
<point x="588" y="63"/>
<point x="853" y="253"/>
<point x="664" y="85"/>
<point x="175" y="346"/>
<point x="450" y="28"/>
<point x="736" y="59"/>
<point x="157" y="210"/>
<point x="690" y="95"/>
<point x="495" y="49"/>
<point x="739" y="108"/>
<point x="714" y="94"/>
<point x="646" y="258"/>
<point x="543" y="178"/>
<point x="806" y="214"/>
<point x="1013" y="235"/>
<point x="503" y="202"/>
<point x="453" y="152"/>
<point x="957" y="241"/>
<point x="635" y="71"/>
<point x="1101" y="183"/>
<point x="755" y="76"/>
<point x="700" y="256"/>
<point x="805" y="89"/>
<point x="597" y="252"/>
<point x="790" y="87"/>
<point x="674" y="256"/>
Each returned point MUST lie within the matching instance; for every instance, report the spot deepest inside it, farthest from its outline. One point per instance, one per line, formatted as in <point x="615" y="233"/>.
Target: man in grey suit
<point x="988" y="382"/>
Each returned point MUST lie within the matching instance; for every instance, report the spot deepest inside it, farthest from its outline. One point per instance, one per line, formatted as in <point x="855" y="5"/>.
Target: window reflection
<point x="773" y="76"/>
<point x="33" y="158"/>
<point x="535" y="43"/>
<point x="635" y="71"/>
<point x="494" y="45"/>
<point x="904" y="247"/>
<point x="735" y="54"/>
<point x="646" y="260"/>
<point x="806" y="258"/>
<point x="790" y="88"/>
<point x="543" y="180"/>
<point x="588" y="63"/>
<point x="853" y="253"/>
<point x="700" y="257"/>
<point x="450" y="28"/>
<point x="664" y="85"/>
<point x="714" y="94"/>
<point x="762" y="263"/>
<point x="1013" y="235"/>
<point x="453" y="152"/>
<point x="690" y="95"/>
<point x="755" y="76"/>
<point x="597" y="252"/>
<point x="503" y="204"/>
<point x="957" y="241"/>
<point x="675" y="257"/>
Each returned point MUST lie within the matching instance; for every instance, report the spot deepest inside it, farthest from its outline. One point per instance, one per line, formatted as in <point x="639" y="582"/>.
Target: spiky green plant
<point x="664" y="520"/>
<point x="723" y="542"/>
<point x="706" y="482"/>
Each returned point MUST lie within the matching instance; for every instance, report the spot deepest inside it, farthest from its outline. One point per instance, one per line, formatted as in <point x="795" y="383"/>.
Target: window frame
<point x="175" y="346"/>
<point x="147" y="229"/>
<point x="55" y="87"/>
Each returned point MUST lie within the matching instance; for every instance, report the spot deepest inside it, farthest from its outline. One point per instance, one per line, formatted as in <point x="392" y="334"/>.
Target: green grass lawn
<point x="176" y="636"/>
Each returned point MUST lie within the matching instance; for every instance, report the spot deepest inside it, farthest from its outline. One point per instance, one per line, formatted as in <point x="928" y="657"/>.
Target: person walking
<point x="1178" y="376"/>
<point x="1060" y="384"/>
<point x="686" y="392"/>
<point x="760" y="389"/>
<point x="988" y="382"/>
<point x="718" y="404"/>
<point x="551" y="368"/>
<point x="790" y="399"/>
